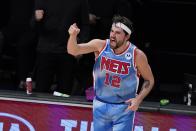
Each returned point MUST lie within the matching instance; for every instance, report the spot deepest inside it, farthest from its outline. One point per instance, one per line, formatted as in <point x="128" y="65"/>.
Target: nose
<point x="112" y="34"/>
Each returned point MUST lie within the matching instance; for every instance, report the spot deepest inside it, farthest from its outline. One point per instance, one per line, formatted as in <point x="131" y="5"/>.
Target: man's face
<point x="117" y="37"/>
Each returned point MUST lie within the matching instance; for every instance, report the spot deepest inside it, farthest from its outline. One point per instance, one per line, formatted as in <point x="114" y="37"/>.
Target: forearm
<point x="146" y="88"/>
<point x="72" y="46"/>
<point x="135" y="102"/>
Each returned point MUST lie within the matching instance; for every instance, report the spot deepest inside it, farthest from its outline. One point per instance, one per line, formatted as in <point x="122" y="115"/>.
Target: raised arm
<point x="145" y="71"/>
<point x="75" y="49"/>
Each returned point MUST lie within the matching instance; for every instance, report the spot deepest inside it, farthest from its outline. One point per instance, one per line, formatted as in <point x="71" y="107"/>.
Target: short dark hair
<point x="124" y="20"/>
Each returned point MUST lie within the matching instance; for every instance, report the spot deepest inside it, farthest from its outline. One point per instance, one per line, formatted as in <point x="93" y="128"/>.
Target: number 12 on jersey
<point x="113" y="80"/>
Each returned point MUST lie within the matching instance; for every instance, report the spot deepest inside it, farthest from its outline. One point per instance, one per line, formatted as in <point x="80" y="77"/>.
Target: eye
<point x="117" y="32"/>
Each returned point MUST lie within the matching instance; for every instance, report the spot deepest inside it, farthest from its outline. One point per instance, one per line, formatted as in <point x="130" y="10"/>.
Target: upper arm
<point x="143" y="66"/>
<point x="95" y="45"/>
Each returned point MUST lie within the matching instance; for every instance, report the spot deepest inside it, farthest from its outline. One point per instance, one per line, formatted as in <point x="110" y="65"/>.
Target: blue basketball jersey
<point x="115" y="75"/>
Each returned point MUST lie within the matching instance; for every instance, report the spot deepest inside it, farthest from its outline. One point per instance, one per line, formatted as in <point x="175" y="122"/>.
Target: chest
<point x="120" y="64"/>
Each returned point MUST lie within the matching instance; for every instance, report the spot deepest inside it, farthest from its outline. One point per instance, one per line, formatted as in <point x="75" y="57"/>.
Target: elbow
<point x="71" y="52"/>
<point x="152" y="82"/>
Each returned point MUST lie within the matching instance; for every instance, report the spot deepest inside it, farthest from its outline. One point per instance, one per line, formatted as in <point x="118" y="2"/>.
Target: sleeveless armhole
<point x="134" y="61"/>
<point x="97" y="54"/>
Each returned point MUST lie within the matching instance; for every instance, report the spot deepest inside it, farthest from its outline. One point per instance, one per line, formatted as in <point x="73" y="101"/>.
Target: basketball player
<point x="117" y="68"/>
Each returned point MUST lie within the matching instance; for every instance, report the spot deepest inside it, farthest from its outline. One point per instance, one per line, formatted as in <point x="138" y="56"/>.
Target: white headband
<point x="124" y="27"/>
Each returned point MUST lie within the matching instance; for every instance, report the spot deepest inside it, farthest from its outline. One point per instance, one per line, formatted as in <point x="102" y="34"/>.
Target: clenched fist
<point x="74" y="30"/>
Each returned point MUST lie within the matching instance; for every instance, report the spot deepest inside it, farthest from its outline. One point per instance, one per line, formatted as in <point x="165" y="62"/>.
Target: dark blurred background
<point x="166" y="32"/>
<point x="164" y="29"/>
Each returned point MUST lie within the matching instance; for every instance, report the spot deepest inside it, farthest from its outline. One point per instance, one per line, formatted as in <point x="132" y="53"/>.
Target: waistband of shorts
<point x="99" y="99"/>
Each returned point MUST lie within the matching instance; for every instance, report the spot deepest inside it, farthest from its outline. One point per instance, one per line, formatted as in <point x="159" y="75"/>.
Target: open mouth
<point x="112" y="39"/>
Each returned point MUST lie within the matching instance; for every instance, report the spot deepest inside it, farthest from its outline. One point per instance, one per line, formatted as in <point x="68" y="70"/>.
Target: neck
<point x="122" y="48"/>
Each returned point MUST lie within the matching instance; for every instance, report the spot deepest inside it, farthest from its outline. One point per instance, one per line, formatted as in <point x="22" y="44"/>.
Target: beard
<point x="114" y="44"/>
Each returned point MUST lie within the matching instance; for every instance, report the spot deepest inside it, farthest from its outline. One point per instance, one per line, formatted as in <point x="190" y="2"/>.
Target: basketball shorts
<point x="112" y="117"/>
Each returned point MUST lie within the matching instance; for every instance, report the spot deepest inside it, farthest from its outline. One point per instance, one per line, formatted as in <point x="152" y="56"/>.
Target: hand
<point x="39" y="14"/>
<point x="133" y="104"/>
<point x="74" y="30"/>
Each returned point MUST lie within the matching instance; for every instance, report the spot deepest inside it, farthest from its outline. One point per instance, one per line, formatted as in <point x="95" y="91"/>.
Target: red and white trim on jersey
<point x="98" y="53"/>
<point x="123" y="52"/>
<point x="134" y="61"/>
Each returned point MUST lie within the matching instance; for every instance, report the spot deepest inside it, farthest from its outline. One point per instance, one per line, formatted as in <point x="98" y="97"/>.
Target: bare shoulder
<point x="140" y="57"/>
<point x="143" y="66"/>
<point x="98" y="43"/>
<point x="140" y="53"/>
